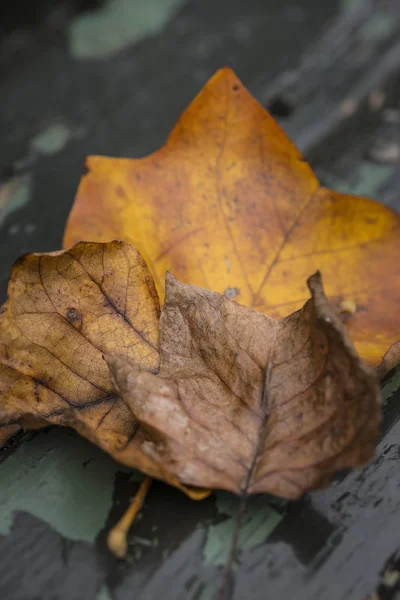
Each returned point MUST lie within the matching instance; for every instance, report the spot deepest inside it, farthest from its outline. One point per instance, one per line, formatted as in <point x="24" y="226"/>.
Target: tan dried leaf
<point x="249" y="404"/>
<point x="64" y="311"/>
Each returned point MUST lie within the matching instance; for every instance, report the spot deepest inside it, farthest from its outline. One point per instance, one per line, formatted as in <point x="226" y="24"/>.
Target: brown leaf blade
<point x="249" y="404"/>
<point x="64" y="311"/>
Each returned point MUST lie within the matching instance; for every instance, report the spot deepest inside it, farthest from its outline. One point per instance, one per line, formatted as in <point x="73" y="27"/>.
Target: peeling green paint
<point x="52" y="139"/>
<point x="14" y="194"/>
<point x="365" y="180"/>
<point x="351" y="5"/>
<point x="379" y="27"/>
<point x="62" y="479"/>
<point x="226" y="503"/>
<point x="145" y="542"/>
<point x="259" y="521"/>
<point x="103" y="593"/>
<point x="102" y="33"/>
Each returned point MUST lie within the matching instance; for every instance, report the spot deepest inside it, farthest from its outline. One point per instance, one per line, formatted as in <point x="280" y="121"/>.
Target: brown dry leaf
<point x="243" y="402"/>
<point x="64" y="311"/>
<point x="250" y="404"/>
<point x="230" y="204"/>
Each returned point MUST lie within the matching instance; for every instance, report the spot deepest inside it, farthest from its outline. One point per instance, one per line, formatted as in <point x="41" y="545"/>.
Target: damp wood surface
<point x="329" y="73"/>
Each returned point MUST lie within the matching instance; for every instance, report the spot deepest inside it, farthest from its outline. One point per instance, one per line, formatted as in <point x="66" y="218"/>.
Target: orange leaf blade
<point x="229" y="204"/>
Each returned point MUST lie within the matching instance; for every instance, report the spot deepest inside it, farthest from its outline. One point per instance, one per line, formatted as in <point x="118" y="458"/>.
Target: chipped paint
<point x="118" y="23"/>
<point x="366" y="179"/>
<point x="351" y="5"/>
<point x="145" y="542"/>
<point x="52" y="139"/>
<point x="379" y="28"/>
<point x="62" y="479"/>
<point x="259" y="521"/>
<point x="14" y="194"/>
<point x="103" y="593"/>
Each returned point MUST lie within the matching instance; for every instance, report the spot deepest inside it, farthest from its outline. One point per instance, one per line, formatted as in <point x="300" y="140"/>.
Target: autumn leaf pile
<point x="248" y="380"/>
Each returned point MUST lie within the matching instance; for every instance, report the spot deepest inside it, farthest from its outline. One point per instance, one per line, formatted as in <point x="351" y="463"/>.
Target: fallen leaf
<point x="64" y="311"/>
<point x="230" y="204"/>
<point x="243" y="402"/>
<point x="249" y="404"/>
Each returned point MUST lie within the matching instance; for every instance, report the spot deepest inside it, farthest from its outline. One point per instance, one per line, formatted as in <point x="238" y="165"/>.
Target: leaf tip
<point x="315" y="284"/>
<point x="170" y="281"/>
<point x="226" y="76"/>
<point x="224" y="72"/>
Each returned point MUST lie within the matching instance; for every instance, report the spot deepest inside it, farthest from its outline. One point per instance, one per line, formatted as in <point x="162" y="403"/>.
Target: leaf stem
<point x="117" y="538"/>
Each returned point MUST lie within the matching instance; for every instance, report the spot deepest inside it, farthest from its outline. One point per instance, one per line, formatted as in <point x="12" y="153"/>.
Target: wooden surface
<point x="71" y="86"/>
